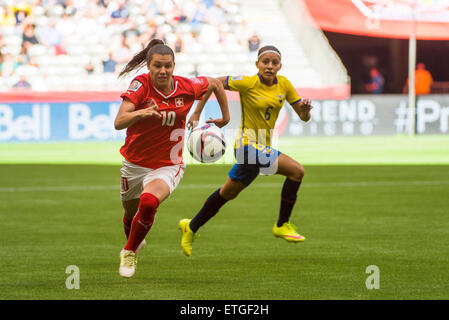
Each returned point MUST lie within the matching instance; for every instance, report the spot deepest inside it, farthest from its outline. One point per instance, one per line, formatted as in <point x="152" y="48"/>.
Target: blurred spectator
<point x="102" y="3"/>
<point x="28" y="35"/>
<point x="27" y="67"/>
<point x="62" y="3"/>
<point x="87" y="29"/>
<point x="89" y="67"/>
<point x="376" y="83"/>
<point x="199" y="17"/>
<point x="253" y="43"/>
<point x="120" y="12"/>
<point x="59" y="50"/>
<point x="2" y="42"/>
<point x="208" y="3"/>
<point x="23" y="57"/>
<point x="110" y="64"/>
<point x="179" y="44"/>
<point x="423" y="80"/>
<point x="22" y="83"/>
<point x="7" y="17"/>
<point x="123" y="53"/>
<point x="132" y="36"/>
<point x="363" y="76"/>
<point x="21" y="12"/>
<point x="9" y="65"/>
<point x="50" y="36"/>
<point x="149" y="34"/>
<point x="131" y="31"/>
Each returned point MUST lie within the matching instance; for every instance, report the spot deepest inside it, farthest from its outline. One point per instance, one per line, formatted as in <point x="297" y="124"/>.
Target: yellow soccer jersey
<point x="260" y="106"/>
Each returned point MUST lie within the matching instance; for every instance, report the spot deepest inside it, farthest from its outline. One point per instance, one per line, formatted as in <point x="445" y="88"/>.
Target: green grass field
<point x="386" y="207"/>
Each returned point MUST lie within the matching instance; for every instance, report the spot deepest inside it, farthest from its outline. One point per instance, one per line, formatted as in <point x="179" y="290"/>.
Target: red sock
<point x="127" y="226"/>
<point x="143" y="220"/>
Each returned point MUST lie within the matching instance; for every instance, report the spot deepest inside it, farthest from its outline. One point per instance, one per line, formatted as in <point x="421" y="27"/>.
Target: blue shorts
<point x="251" y="160"/>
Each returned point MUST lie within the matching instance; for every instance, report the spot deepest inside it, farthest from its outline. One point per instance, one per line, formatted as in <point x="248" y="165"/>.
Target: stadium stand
<point x="66" y="45"/>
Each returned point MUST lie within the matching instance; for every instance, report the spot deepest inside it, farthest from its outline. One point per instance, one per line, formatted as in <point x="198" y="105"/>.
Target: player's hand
<point x="304" y="110"/>
<point x="151" y="111"/>
<point x="306" y="106"/>
<point x="220" y="122"/>
<point x="193" y="121"/>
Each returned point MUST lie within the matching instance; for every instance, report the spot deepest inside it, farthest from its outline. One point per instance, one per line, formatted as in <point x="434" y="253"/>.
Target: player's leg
<point x="152" y="195"/>
<point x="131" y="188"/>
<point x="130" y="209"/>
<point x="294" y="173"/>
<point x="239" y="178"/>
<point x="230" y="190"/>
<point x="158" y="185"/>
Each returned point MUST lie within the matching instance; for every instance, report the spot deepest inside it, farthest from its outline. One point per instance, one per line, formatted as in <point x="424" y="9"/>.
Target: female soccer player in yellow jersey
<point x="261" y="97"/>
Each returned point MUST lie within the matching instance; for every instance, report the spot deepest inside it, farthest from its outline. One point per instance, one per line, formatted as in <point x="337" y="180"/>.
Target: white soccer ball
<point x="206" y="143"/>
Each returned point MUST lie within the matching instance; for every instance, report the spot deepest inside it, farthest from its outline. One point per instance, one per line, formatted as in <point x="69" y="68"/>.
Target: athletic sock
<point x="209" y="209"/>
<point x="127" y="226"/>
<point x="288" y="200"/>
<point x="143" y="220"/>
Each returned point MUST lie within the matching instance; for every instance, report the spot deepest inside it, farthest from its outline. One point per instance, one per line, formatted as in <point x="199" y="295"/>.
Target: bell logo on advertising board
<point x="84" y="125"/>
<point x="59" y="122"/>
<point x="28" y="123"/>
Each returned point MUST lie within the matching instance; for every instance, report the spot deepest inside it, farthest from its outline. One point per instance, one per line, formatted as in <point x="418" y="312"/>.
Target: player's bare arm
<point x="216" y="87"/>
<point x="128" y="115"/>
<point x="302" y="109"/>
<point x="195" y="117"/>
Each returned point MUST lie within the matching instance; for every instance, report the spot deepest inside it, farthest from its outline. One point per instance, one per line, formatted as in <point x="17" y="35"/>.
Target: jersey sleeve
<point x="238" y="83"/>
<point x="291" y="95"/>
<point x="136" y="92"/>
<point x="200" y="86"/>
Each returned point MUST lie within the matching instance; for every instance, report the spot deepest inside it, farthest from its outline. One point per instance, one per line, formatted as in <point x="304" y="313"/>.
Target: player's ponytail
<point x="145" y="56"/>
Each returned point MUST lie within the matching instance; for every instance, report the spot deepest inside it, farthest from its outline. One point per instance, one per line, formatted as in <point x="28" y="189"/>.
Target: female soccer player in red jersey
<point x="261" y="97"/>
<point x="154" y="111"/>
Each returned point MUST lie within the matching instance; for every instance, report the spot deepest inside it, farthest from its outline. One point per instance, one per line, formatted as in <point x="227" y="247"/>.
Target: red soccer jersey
<point x="152" y="142"/>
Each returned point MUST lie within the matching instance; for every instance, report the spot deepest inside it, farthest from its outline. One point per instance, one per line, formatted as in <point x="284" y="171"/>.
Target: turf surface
<point x="401" y="149"/>
<point x="393" y="216"/>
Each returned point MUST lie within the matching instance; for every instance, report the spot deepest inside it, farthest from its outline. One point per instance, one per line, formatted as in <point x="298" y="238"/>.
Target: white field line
<point x="255" y="185"/>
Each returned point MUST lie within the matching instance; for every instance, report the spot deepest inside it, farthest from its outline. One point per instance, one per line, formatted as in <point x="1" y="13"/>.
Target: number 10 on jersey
<point x="168" y="118"/>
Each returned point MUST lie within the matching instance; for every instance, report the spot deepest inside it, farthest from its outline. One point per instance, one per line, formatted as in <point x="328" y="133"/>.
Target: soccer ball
<point x="206" y="144"/>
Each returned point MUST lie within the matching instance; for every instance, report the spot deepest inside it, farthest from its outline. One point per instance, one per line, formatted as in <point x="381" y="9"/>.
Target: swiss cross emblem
<point x="179" y="102"/>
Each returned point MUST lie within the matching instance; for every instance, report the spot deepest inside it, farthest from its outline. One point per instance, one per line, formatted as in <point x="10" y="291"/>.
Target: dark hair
<point x="267" y="48"/>
<point x="145" y="56"/>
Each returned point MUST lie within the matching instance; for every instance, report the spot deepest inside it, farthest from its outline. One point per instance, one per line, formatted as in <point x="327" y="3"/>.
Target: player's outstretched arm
<point x="128" y="115"/>
<point x="302" y="109"/>
<point x="216" y="87"/>
<point x="195" y="117"/>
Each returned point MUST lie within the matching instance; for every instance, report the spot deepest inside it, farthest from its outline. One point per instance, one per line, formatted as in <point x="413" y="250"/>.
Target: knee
<point x="148" y="206"/>
<point x="297" y="173"/>
<point x="149" y="201"/>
